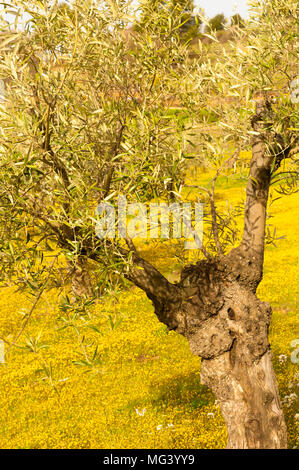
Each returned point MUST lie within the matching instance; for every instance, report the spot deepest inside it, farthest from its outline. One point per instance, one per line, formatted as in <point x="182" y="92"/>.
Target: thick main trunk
<point x="215" y="307"/>
<point x="237" y="363"/>
<point x="249" y="400"/>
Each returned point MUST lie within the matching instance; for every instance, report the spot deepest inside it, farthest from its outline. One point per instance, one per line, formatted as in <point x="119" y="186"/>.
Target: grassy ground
<point x="144" y="390"/>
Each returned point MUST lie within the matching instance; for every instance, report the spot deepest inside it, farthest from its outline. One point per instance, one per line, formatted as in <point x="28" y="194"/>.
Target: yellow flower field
<point x="144" y="390"/>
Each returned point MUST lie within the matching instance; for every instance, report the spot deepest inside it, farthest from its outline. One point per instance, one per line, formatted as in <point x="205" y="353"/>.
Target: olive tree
<point x="214" y="304"/>
<point x="59" y="138"/>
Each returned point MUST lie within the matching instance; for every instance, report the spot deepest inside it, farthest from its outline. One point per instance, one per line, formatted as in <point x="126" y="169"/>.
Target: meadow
<point x="142" y="389"/>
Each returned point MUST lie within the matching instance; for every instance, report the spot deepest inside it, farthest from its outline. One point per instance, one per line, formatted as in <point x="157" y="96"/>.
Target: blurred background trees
<point x="217" y="23"/>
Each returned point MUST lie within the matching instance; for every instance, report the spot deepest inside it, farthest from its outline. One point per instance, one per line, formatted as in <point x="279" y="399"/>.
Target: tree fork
<point x="215" y="307"/>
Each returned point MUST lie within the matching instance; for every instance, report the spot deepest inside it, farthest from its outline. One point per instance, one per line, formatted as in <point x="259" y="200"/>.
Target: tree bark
<point x="249" y="400"/>
<point x="236" y="357"/>
<point x="81" y="284"/>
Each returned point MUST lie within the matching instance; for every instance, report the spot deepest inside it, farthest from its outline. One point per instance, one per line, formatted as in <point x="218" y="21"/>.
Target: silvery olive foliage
<point x="260" y="63"/>
<point x="86" y="115"/>
<point x="95" y="107"/>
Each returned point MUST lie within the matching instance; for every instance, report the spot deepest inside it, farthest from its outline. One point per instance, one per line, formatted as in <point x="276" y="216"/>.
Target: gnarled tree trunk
<point x="214" y="305"/>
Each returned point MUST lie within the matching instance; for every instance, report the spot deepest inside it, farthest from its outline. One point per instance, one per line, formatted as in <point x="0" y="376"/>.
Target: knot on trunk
<point x="240" y="326"/>
<point x="216" y="306"/>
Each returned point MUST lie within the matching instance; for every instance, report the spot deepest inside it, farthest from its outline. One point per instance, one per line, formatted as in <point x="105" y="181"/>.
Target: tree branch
<point x="265" y="160"/>
<point x="150" y="280"/>
<point x="105" y="186"/>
